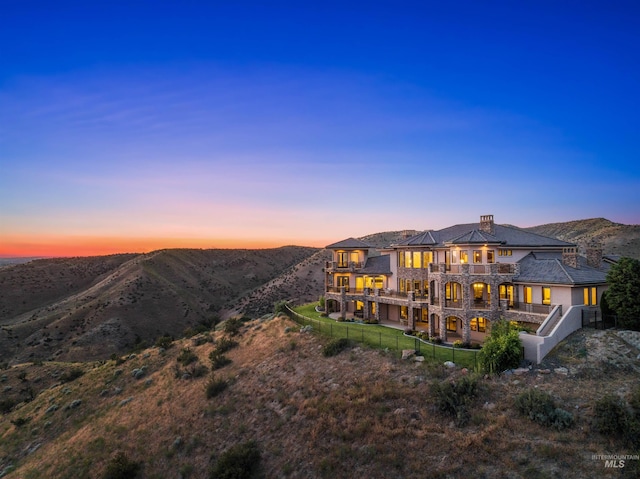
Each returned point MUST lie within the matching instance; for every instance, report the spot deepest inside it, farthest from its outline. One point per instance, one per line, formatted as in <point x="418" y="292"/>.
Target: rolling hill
<point x="88" y="308"/>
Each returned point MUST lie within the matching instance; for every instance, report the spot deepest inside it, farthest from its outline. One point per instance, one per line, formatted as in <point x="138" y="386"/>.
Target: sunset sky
<point x="132" y="126"/>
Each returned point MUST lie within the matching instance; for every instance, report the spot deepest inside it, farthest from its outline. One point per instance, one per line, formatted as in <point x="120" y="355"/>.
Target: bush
<point x="455" y="398"/>
<point x="121" y="467"/>
<point x="280" y="307"/>
<point x="232" y="326"/>
<point x="164" y="342"/>
<point x="215" y="387"/>
<point x="6" y="405"/>
<point x="71" y="375"/>
<point x="225" y="344"/>
<point x="336" y="346"/>
<point x="457" y="344"/>
<point x="241" y="461"/>
<point x="502" y="350"/>
<point x="540" y="407"/>
<point x="218" y="360"/>
<point x="611" y="416"/>
<point x="187" y="357"/>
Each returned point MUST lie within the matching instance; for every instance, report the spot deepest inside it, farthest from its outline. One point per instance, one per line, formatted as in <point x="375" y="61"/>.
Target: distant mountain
<point x="616" y="238"/>
<point x="88" y="308"/>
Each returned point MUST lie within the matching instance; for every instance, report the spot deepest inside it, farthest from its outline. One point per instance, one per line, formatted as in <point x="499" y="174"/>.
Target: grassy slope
<point x="362" y="412"/>
<point x="162" y="292"/>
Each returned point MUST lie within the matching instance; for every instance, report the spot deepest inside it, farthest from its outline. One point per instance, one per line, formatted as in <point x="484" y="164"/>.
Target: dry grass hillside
<point x="87" y="308"/>
<point x="616" y="238"/>
<point x="362" y="413"/>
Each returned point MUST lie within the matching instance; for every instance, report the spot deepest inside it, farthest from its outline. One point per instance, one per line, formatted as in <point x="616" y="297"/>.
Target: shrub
<point x="225" y="344"/>
<point x="457" y="344"/>
<point x="71" y="375"/>
<point x="280" y="307"/>
<point x="6" y="405"/>
<point x="232" y="326"/>
<point x="455" y="398"/>
<point x="241" y="461"/>
<point x="611" y="416"/>
<point x="187" y="357"/>
<point x="164" y="342"/>
<point x="540" y="407"/>
<point x="20" y="421"/>
<point x="121" y="467"/>
<point x="218" y="360"/>
<point x="336" y="346"/>
<point x="502" y="349"/>
<point x="215" y="387"/>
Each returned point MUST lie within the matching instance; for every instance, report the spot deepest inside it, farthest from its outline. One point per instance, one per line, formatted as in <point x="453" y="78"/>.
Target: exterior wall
<point x="537" y="347"/>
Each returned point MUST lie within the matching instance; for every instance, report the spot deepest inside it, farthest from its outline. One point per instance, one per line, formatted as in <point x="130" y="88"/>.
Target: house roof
<point x="506" y="236"/>
<point x="377" y="265"/>
<point x="549" y="268"/>
<point x="349" y="243"/>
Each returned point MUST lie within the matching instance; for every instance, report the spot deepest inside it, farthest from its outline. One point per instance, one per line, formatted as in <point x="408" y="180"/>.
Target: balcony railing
<point x="481" y="304"/>
<point x="452" y="303"/>
<point x="532" y="308"/>
<point x="390" y="293"/>
<point x="348" y="266"/>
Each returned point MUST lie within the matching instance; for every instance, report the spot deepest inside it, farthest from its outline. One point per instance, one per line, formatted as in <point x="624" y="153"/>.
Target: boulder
<point x="408" y="353"/>
<point x="449" y="364"/>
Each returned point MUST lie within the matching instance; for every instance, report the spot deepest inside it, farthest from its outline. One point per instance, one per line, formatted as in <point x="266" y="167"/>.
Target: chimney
<point x="570" y="256"/>
<point x="486" y="224"/>
<point x="594" y="254"/>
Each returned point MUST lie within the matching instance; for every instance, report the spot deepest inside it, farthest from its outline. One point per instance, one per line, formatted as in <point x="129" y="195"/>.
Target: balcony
<point x="531" y="308"/>
<point x="453" y="303"/>
<point x="475" y="269"/>
<point x="349" y="266"/>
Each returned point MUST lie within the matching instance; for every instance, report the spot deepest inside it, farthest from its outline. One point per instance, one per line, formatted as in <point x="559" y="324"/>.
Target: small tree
<point x="502" y="349"/>
<point x="623" y="295"/>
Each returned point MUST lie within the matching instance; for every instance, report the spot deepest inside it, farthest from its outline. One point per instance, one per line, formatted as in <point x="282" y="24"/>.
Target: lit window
<point x="401" y="259"/>
<point x="590" y="296"/>
<point x="342" y="259"/>
<point x="404" y="312"/>
<point x="464" y="257"/>
<point x="427" y="257"/>
<point x="546" y="295"/>
<point x="452" y="324"/>
<point x="401" y="285"/>
<point x="479" y="324"/>
<point x="477" y="256"/>
<point x="528" y="296"/>
<point x="454" y="256"/>
<point x="379" y="282"/>
<point x="417" y="259"/>
<point x="407" y="259"/>
<point x="505" y="252"/>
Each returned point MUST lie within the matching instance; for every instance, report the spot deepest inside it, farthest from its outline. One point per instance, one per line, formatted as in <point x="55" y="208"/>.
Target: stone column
<point x="367" y="307"/>
<point x="466" y="329"/>
<point x="343" y="303"/>
<point x="443" y="327"/>
<point x="411" y="320"/>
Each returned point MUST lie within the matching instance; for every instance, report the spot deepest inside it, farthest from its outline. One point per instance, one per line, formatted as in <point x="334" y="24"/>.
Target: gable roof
<point x="421" y="239"/>
<point x="349" y="243"/>
<point x="475" y="237"/>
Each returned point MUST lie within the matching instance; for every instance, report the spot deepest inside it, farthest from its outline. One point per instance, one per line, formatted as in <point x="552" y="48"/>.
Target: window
<point x="342" y="259"/>
<point x="424" y="317"/>
<point x="401" y="259"/>
<point x="479" y="324"/>
<point x="416" y="286"/>
<point x="404" y="312"/>
<point x="427" y="257"/>
<point x="528" y="297"/>
<point x="379" y="282"/>
<point x="454" y="256"/>
<point x="546" y="295"/>
<point x="590" y="296"/>
<point x="426" y="287"/>
<point x="401" y="285"/>
<point x="506" y="292"/>
<point x="355" y="257"/>
<point x="477" y="256"/>
<point x="343" y="281"/>
<point x="407" y="259"/>
<point x="452" y="324"/>
<point x="464" y="256"/>
<point x="505" y="252"/>
<point x="417" y="259"/>
<point x="491" y="256"/>
<point x="359" y="283"/>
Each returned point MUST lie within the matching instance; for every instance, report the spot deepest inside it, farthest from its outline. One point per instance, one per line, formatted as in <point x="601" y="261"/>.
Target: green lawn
<point x="382" y="337"/>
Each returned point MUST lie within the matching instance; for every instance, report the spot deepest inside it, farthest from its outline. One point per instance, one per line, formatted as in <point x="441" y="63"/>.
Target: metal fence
<point x="358" y="333"/>
<point x="595" y="319"/>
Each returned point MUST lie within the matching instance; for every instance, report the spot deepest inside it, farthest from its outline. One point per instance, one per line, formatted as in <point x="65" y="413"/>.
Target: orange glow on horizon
<point x="69" y="246"/>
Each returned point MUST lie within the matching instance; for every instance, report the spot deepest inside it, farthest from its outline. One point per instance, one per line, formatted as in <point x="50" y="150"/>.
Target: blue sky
<point x="135" y="125"/>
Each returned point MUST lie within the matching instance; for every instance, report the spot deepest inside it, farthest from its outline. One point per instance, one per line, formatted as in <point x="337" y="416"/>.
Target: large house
<point x="454" y="282"/>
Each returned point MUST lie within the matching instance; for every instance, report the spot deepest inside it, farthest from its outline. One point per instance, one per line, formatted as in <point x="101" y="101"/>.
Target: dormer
<point x="350" y="254"/>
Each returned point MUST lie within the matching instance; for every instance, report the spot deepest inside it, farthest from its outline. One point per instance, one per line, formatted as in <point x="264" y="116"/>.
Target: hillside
<point x="362" y="413"/>
<point x="88" y="308"/>
<point x="616" y="238"/>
